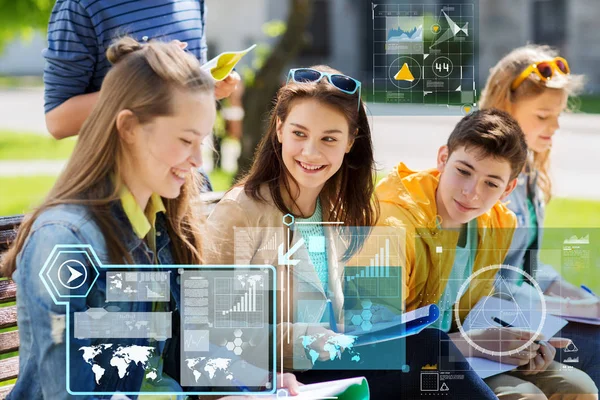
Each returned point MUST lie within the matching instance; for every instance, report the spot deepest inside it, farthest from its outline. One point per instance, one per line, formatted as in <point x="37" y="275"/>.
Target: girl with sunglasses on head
<point x="533" y="84"/>
<point x="316" y="163"/>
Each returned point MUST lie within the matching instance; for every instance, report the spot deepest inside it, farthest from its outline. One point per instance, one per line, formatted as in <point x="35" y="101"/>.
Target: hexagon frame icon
<point x="51" y="264"/>
<point x="291" y="218"/>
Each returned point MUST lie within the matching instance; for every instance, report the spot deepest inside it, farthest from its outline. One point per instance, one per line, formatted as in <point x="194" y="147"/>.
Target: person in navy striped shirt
<point x="80" y="31"/>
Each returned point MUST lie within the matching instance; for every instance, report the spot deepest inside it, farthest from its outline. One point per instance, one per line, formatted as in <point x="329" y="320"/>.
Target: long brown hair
<point x="142" y="80"/>
<point x="349" y="195"/>
<point x="497" y="93"/>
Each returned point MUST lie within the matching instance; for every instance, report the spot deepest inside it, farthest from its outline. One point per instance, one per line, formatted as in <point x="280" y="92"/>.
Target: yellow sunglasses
<point x="544" y="69"/>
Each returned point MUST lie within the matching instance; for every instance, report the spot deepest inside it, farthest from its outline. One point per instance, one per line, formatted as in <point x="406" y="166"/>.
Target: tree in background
<point x="21" y="18"/>
<point x="259" y="94"/>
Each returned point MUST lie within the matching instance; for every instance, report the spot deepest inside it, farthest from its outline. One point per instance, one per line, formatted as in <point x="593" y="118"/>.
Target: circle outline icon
<point x="84" y="274"/>
<point x="462" y="330"/>
<point x="391" y="74"/>
<point x="441" y="75"/>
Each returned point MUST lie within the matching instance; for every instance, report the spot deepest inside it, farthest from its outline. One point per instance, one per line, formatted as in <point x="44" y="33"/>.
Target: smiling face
<point x="538" y="117"/>
<point x="314" y="139"/>
<point x="165" y="151"/>
<point x="470" y="185"/>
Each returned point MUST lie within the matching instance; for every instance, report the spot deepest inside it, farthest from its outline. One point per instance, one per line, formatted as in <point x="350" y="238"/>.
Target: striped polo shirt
<point x="80" y="31"/>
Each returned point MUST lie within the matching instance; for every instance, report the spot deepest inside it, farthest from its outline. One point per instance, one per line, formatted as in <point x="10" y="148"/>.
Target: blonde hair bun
<point x="122" y="48"/>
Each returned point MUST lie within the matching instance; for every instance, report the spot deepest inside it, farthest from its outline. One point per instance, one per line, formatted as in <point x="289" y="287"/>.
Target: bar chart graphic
<point x="235" y="308"/>
<point x="247" y="303"/>
<point x="375" y="272"/>
<point x="256" y="245"/>
<point x="380" y="265"/>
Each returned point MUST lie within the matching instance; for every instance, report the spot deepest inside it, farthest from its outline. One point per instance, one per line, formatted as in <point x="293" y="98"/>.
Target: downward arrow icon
<point x="284" y="259"/>
<point x="74" y="274"/>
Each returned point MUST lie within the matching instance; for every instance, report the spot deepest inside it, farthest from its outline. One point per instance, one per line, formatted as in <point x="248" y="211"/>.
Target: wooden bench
<point x="9" y="341"/>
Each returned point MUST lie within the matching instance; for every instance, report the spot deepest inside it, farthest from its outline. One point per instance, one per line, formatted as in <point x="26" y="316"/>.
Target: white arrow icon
<point x="284" y="259"/>
<point x="74" y="274"/>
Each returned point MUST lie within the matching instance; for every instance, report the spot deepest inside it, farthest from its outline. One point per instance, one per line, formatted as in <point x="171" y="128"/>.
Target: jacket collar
<point x="127" y="234"/>
<point x="415" y="192"/>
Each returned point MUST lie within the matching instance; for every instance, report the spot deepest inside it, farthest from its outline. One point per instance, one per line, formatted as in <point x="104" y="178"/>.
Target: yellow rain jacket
<point x="407" y="200"/>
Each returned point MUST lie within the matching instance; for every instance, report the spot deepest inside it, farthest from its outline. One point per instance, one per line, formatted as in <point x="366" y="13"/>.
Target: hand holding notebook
<point x="524" y="324"/>
<point x="345" y="389"/>
<point x="397" y="327"/>
<point x="222" y="65"/>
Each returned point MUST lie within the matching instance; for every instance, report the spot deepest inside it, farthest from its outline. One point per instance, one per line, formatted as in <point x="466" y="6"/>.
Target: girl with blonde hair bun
<point x="129" y="193"/>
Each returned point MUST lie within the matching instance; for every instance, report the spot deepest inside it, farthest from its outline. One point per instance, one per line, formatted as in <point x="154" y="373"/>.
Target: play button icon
<point x="73" y="276"/>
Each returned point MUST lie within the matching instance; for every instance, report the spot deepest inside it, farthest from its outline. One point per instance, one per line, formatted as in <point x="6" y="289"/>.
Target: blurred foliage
<point x="272" y="29"/>
<point x="21" y="18"/>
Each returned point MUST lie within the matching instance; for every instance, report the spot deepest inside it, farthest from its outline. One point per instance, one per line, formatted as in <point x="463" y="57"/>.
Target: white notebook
<point x="345" y="389"/>
<point x="481" y="316"/>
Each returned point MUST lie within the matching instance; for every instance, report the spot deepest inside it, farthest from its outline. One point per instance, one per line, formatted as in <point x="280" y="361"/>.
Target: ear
<point x="351" y="141"/>
<point x="509" y="188"/>
<point x="279" y="130"/>
<point x="127" y="123"/>
<point x="442" y="158"/>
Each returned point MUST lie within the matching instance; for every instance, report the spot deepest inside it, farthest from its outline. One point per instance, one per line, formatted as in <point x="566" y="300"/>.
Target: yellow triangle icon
<point x="436" y="28"/>
<point x="467" y="109"/>
<point x="404" y="74"/>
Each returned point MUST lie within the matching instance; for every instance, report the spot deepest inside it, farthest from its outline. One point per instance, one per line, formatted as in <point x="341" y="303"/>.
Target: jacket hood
<point x="414" y="191"/>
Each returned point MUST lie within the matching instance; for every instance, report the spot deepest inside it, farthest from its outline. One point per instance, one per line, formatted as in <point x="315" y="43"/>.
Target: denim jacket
<point x="519" y="254"/>
<point x="42" y="353"/>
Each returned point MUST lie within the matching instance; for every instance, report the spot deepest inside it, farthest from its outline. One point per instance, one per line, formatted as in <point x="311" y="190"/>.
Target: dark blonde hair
<point x="143" y="80"/>
<point x="497" y="93"/>
<point x="349" y="195"/>
<point x="493" y="133"/>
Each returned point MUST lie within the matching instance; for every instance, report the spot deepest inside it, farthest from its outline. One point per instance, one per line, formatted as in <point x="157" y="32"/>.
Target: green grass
<point x="13" y="82"/>
<point x="569" y="213"/>
<point x="27" y="192"/>
<point x="589" y="104"/>
<point x="566" y="218"/>
<point x="23" y="193"/>
<point x="30" y="146"/>
<point x="221" y="180"/>
<point x="586" y="103"/>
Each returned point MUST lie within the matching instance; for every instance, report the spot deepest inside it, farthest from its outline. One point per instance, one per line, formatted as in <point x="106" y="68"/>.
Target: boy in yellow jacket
<point x="455" y="225"/>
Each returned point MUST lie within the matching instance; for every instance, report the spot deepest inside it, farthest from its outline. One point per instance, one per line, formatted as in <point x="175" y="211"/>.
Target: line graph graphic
<point x="403" y="30"/>
<point x="195" y="340"/>
<point x="425" y="53"/>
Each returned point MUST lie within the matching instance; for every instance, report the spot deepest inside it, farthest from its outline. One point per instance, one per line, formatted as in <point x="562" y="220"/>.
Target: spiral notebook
<point x="401" y="326"/>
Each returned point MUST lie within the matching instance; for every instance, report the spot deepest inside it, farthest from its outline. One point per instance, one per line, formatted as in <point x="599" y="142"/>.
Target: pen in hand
<point x="587" y="289"/>
<point x="507" y="325"/>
